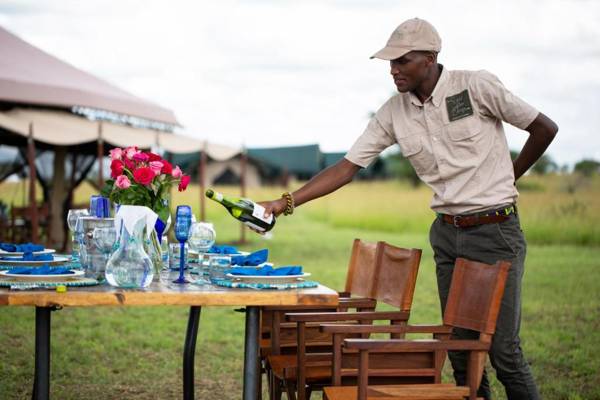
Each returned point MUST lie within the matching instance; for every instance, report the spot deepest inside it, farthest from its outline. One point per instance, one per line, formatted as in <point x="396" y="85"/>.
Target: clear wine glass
<point x="202" y="237"/>
<point x="183" y="222"/>
<point x="72" y="217"/>
<point x="104" y="239"/>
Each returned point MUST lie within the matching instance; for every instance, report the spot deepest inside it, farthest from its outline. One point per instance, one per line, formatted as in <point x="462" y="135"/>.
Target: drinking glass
<point x="104" y="239"/>
<point x="202" y="237"/>
<point x="219" y="266"/>
<point x="72" y="217"/>
<point x="183" y="222"/>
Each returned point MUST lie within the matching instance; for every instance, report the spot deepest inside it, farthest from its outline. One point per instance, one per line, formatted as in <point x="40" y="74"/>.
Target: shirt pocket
<point x="412" y="149"/>
<point x="465" y="139"/>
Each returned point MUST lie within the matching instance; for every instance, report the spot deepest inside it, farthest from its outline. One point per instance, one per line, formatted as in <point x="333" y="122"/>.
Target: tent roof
<point x="296" y="159"/>
<point x="61" y="128"/>
<point x="29" y="75"/>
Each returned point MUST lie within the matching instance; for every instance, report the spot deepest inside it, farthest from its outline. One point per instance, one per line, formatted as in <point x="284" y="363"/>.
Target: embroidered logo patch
<point x="459" y="106"/>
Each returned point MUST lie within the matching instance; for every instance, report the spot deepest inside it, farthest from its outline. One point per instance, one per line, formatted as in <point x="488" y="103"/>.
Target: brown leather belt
<point x="489" y="217"/>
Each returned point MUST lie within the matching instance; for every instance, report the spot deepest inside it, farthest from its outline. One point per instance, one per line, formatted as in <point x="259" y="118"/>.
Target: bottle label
<point x="253" y="226"/>
<point x="259" y="212"/>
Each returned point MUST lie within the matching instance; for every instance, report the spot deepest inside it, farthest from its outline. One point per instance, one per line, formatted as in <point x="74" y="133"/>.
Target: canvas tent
<point x="38" y="97"/>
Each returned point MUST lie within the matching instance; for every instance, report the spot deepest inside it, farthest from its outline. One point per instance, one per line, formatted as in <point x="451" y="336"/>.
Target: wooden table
<point x="46" y="301"/>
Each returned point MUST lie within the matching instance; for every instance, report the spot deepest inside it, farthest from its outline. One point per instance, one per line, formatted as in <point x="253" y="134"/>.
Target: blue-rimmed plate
<point x="20" y="253"/>
<point x="58" y="260"/>
<point x="51" y="277"/>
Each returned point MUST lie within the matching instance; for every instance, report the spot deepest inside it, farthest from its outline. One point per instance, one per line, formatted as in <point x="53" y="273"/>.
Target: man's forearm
<point x="326" y="181"/>
<point x="541" y="133"/>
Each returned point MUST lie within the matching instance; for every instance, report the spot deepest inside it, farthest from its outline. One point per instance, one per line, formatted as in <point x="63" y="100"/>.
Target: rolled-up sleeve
<point x="495" y="100"/>
<point x="377" y="137"/>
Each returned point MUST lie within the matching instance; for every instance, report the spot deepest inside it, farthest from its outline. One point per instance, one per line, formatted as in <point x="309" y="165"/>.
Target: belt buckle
<point x="456" y="220"/>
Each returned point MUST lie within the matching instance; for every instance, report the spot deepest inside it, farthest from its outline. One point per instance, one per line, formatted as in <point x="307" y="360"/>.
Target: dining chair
<point x="473" y="303"/>
<point x="379" y="272"/>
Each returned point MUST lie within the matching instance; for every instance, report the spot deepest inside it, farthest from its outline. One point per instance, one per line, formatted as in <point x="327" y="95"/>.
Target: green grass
<point x="135" y="352"/>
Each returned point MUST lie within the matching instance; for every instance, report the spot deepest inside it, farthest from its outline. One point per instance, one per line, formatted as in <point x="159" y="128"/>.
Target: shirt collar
<point x="438" y="92"/>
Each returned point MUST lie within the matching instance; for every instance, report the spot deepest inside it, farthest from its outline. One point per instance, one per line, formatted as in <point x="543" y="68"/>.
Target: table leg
<point x="41" y="382"/>
<point x="251" y="360"/>
<point x="189" y="352"/>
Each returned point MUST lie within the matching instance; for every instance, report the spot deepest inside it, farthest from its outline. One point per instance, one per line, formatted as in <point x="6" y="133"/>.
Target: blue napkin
<point x="252" y="259"/>
<point x="30" y="257"/>
<point x="23" y="248"/>
<point x="45" y="270"/>
<point x="267" y="270"/>
<point x="222" y="249"/>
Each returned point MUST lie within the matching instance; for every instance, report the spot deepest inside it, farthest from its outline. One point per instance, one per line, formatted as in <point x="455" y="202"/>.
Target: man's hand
<point x="275" y="207"/>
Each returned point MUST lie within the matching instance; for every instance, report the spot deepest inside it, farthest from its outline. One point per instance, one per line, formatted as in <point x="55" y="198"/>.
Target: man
<point x="449" y="126"/>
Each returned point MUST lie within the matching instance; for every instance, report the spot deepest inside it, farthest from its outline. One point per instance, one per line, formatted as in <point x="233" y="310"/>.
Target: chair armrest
<point x="357" y="302"/>
<point x="402" y="345"/>
<point x="347" y="316"/>
<point x="344" y="328"/>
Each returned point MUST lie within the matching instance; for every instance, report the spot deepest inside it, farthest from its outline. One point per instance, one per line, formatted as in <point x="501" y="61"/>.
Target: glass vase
<point x="152" y="248"/>
<point x="130" y="266"/>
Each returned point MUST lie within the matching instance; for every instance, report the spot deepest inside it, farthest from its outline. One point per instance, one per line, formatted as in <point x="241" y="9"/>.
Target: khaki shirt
<point x="454" y="140"/>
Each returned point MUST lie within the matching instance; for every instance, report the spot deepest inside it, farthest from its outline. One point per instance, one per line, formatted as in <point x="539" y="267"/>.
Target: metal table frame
<point x="41" y="383"/>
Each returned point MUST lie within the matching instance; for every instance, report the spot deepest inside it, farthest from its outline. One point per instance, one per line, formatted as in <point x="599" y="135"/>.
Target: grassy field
<point x="135" y="353"/>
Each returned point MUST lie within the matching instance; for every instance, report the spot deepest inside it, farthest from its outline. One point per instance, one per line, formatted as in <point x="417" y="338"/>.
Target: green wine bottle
<point x="245" y="210"/>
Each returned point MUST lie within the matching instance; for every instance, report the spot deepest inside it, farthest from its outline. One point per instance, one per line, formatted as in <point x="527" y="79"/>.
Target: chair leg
<point x="308" y="392"/>
<point x="290" y="389"/>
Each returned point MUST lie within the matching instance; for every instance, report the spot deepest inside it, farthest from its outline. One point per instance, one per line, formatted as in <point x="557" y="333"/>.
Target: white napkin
<point x="129" y="215"/>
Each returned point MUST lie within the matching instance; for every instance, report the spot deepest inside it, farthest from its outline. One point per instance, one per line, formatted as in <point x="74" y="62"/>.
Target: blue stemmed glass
<point x="183" y="222"/>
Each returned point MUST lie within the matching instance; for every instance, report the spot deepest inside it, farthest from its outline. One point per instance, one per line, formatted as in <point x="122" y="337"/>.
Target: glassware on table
<point x="72" y="217"/>
<point x="183" y="222"/>
<point x="105" y="239"/>
<point x="170" y="270"/>
<point x="99" y="206"/>
<point x="202" y="237"/>
<point x="219" y="267"/>
<point x="129" y="266"/>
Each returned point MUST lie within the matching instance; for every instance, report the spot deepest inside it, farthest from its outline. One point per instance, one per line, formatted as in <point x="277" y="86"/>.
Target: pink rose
<point x="176" y="173"/>
<point x="122" y="182"/>
<point x="185" y="180"/>
<point x="131" y="151"/>
<point x="143" y="175"/>
<point x="156" y="167"/>
<point x="141" y="157"/>
<point x="116" y="153"/>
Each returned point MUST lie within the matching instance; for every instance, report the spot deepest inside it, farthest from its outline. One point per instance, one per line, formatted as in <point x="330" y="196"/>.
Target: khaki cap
<point x="413" y="34"/>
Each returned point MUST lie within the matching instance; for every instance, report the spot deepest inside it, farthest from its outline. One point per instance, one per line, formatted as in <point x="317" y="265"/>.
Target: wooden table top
<point x="161" y="294"/>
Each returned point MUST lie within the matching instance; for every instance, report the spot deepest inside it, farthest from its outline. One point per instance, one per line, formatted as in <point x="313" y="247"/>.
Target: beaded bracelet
<point x="289" y="208"/>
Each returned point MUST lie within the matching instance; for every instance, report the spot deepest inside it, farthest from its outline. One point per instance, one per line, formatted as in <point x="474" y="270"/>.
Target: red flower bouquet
<point x="143" y="179"/>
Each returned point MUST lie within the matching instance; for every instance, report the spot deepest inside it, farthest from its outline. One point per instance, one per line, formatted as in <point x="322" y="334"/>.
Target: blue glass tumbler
<point x="183" y="222"/>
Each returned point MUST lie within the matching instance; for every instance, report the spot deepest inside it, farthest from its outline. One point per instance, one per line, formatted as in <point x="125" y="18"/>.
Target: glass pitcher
<point x="130" y="266"/>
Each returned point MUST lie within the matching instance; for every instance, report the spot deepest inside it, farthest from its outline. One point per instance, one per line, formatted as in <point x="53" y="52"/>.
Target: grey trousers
<point x="489" y="243"/>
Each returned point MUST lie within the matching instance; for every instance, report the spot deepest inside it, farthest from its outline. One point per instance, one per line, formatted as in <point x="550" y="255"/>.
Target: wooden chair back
<point x="383" y="272"/>
<point x="474" y="300"/>
<point x="473" y="303"/>
<point x="20" y="225"/>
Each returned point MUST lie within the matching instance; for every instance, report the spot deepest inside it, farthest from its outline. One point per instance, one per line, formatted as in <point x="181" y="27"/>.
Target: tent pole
<point x="201" y="178"/>
<point x="100" y="157"/>
<point x="243" y="162"/>
<point x="32" y="180"/>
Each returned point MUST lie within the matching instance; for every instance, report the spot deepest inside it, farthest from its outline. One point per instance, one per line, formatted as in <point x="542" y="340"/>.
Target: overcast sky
<point x="284" y="72"/>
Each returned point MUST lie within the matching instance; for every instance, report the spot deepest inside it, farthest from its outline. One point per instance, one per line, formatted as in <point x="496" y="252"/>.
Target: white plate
<point x="53" y="277"/>
<point x="275" y="279"/>
<point x="20" y="253"/>
<point x="58" y="260"/>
